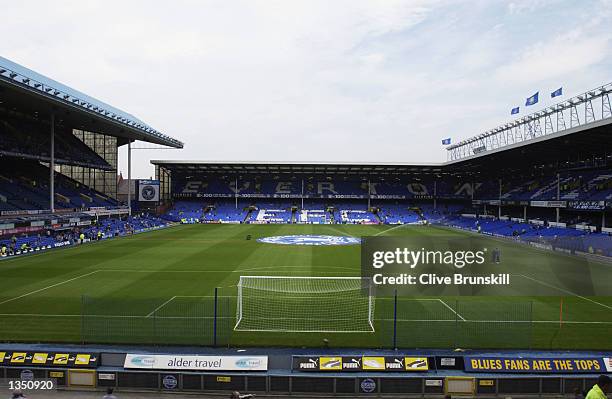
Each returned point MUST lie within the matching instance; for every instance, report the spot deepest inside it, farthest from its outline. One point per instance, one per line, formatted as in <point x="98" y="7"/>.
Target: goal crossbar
<point x="305" y="277"/>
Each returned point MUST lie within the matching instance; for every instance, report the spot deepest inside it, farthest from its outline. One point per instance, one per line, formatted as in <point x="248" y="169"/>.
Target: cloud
<point x="315" y="80"/>
<point x="529" y="6"/>
<point x="562" y="55"/>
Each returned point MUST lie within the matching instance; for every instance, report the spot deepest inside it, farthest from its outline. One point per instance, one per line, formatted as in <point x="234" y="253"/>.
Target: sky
<point x="332" y="81"/>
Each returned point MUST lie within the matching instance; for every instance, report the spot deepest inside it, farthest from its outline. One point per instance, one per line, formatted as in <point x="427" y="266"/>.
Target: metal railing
<point x="579" y="111"/>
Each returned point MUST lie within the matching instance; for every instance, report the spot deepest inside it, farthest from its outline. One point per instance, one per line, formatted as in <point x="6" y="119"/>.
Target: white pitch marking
<point x="499" y="321"/>
<point x="294" y="267"/>
<point x="161" y="306"/>
<point x="232" y="317"/>
<point x="341" y="232"/>
<point x="47" y="287"/>
<point x="388" y="230"/>
<point x="205" y="296"/>
<point x="451" y="309"/>
<point x="566" y="291"/>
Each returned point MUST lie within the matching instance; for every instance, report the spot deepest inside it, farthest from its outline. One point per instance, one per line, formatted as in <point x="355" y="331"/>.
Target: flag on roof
<point x="533" y="99"/>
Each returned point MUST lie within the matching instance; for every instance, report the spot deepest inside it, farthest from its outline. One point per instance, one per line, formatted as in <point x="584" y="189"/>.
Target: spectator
<point x="18" y="395"/>
<point x="109" y="394"/>
<point x="600" y="389"/>
<point x="237" y="395"/>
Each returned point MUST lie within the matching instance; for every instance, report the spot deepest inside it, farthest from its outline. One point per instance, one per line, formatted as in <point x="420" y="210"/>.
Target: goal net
<point x="304" y="304"/>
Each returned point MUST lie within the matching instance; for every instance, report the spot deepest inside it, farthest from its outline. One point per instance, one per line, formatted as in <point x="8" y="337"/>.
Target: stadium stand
<point x="574" y="185"/>
<point x="271" y="212"/>
<point x="103" y="229"/>
<point x="28" y="188"/>
<point x="528" y="214"/>
<point x="46" y="126"/>
<point x="571" y="239"/>
<point x="28" y="138"/>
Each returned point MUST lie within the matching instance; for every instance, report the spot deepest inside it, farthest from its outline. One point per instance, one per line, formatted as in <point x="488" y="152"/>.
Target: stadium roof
<point x="580" y="112"/>
<point x="24" y="90"/>
<point x="571" y="148"/>
<point x="577" y="147"/>
<point x="297" y="168"/>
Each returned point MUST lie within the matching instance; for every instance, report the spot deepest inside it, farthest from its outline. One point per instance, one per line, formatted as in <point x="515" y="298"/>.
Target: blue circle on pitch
<point x="319" y="240"/>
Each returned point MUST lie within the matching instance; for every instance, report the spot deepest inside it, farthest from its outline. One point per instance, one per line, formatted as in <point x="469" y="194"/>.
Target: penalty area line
<point x="566" y="291"/>
<point x="291" y="267"/>
<point x="161" y="306"/>
<point x="47" y="287"/>
<point x="388" y="230"/>
<point x="451" y="309"/>
<point x="498" y="321"/>
<point x="102" y="316"/>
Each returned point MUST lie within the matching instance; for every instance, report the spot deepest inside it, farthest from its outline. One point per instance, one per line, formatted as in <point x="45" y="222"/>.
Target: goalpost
<point x="305" y="304"/>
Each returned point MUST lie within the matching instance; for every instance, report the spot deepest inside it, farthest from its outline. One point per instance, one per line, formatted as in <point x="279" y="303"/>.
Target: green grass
<point x="124" y="286"/>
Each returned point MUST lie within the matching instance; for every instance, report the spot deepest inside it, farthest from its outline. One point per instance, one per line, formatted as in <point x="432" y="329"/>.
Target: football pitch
<point x="177" y="286"/>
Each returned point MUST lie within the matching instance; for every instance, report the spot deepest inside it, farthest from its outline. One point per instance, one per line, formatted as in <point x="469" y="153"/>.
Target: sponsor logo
<point x="395" y="363"/>
<point x="170" y="382"/>
<point x="311" y="364"/>
<point x="368" y="385"/>
<point x="361" y="363"/>
<point x="39" y="358"/>
<point x="18" y="357"/>
<point x="608" y="363"/>
<point x="316" y="240"/>
<point x="195" y="362"/>
<point x="351" y="363"/>
<point x="417" y="364"/>
<point x="331" y="363"/>
<point x="373" y="363"/>
<point x="143" y="361"/>
<point x="248" y="363"/>
<point x="82" y="359"/>
<point x="48" y="359"/>
<point x="61" y="358"/>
